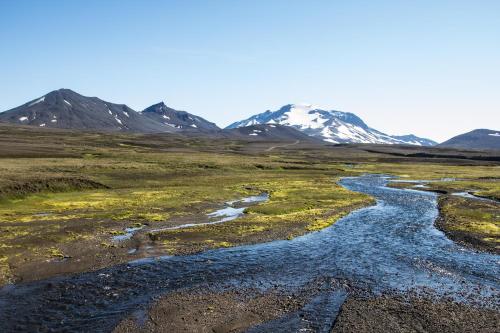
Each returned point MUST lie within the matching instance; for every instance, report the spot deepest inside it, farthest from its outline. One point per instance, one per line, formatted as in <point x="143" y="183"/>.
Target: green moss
<point x="480" y="220"/>
<point x="319" y="224"/>
<point x="5" y="272"/>
<point x="222" y="244"/>
<point x="55" y="252"/>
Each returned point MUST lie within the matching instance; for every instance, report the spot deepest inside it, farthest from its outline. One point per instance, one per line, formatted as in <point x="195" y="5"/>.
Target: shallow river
<point x="390" y="246"/>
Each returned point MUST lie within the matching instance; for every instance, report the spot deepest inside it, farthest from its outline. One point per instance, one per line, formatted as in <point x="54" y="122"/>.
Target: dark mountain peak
<point x="159" y="105"/>
<point x="67" y="91"/>
<point x="177" y="119"/>
<point x="63" y="92"/>
<point x="160" y="108"/>
<point x="62" y="95"/>
<point x="483" y="131"/>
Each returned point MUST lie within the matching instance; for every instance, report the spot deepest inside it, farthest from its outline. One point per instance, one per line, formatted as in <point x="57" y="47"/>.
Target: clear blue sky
<point x="426" y="67"/>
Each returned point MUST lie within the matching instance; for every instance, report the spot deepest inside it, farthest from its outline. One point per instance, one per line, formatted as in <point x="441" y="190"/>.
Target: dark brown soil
<point x="82" y="256"/>
<point x="386" y="314"/>
<point x="236" y="311"/>
<point x="230" y="311"/>
<point x="58" y="184"/>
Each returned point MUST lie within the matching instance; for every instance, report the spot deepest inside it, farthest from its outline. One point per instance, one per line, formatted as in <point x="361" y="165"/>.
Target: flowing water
<point x="469" y="195"/>
<point x="390" y="246"/>
<point x="231" y="211"/>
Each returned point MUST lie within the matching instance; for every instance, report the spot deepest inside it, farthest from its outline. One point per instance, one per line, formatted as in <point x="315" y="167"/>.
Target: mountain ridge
<point x="64" y="108"/>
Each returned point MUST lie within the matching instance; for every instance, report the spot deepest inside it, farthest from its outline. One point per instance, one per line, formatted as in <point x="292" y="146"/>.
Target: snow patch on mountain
<point x="40" y="100"/>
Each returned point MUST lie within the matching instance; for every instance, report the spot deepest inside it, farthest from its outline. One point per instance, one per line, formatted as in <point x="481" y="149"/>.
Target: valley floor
<point x="73" y="202"/>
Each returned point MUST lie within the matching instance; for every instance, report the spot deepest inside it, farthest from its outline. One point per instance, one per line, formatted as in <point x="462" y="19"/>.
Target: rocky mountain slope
<point x="67" y="109"/>
<point x="331" y="126"/>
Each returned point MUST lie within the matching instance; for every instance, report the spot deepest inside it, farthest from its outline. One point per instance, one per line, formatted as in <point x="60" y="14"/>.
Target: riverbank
<point x="406" y="315"/>
<point x="472" y="223"/>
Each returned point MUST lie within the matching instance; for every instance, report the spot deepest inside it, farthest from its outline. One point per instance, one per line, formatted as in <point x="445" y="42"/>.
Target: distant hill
<point x="415" y="140"/>
<point x="476" y="139"/>
<point x="268" y="132"/>
<point x="328" y="125"/>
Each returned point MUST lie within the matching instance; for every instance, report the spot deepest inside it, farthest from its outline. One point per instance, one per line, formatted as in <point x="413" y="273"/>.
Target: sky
<point x="431" y="68"/>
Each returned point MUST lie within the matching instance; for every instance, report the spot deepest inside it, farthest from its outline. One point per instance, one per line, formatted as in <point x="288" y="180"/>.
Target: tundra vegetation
<point x="64" y="195"/>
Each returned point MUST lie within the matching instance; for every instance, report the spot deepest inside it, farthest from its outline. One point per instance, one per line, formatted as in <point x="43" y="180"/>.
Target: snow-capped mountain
<point x="331" y="126"/>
